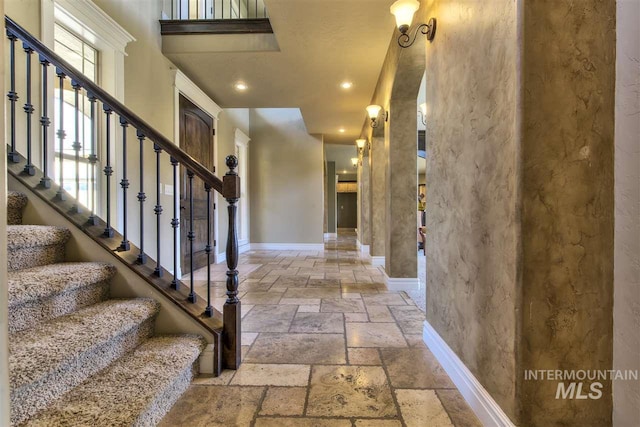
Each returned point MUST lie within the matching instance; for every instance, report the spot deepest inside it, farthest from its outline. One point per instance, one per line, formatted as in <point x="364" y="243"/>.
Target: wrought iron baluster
<point x="157" y="210"/>
<point x="124" y="184"/>
<point x="175" y="223"/>
<point x="191" y="235"/>
<point x="45" y="181"/>
<point x="209" y="309"/>
<point x="12" y="155"/>
<point x="28" y="109"/>
<point x="108" y="170"/>
<point x="93" y="158"/>
<point x="76" y="144"/>
<point x="61" y="134"/>
<point x="142" y="257"/>
<point x="231" y="334"/>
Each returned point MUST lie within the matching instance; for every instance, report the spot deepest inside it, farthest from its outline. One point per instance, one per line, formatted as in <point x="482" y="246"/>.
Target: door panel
<point x="196" y="138"/>
<point x="347" y="210"/>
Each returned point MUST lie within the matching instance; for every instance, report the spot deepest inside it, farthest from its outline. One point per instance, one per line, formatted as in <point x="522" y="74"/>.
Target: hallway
<point x="325" y="344"/>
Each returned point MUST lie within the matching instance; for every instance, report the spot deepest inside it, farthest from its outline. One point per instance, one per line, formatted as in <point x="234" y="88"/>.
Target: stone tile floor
<point x="324" y="344"/>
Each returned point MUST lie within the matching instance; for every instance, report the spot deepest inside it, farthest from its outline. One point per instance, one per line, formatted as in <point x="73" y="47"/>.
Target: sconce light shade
<point x="373" y="111"/>
<point x="354" y="161"/>
<point x="404" y="10"/>
<point x="360" y="143"/>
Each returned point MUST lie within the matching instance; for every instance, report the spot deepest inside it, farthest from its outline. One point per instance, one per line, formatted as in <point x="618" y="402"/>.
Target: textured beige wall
<point x="286" y="174"/>
<point x="626" y="315"/>
<point x="471" y="171"/>
<point x="567" y="203"/>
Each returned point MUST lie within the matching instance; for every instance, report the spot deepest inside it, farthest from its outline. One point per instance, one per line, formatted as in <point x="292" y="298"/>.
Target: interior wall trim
<point x="401" y="283"/>
<point x="377" y="261"/>
<point x="479" y="399"/>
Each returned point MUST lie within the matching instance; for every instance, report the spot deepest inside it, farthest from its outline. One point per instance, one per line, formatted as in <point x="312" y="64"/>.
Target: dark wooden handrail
<point x="133" y="119"/>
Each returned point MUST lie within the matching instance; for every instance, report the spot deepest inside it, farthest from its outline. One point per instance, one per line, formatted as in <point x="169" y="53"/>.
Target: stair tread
<point x="36" y="352"/>
<point x="44" y="281"/>
<point x="29" y="236"/>
<point x="119" y="394"/>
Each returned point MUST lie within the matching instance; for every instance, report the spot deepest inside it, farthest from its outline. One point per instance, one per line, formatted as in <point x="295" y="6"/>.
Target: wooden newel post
<point x="231" y="345"/>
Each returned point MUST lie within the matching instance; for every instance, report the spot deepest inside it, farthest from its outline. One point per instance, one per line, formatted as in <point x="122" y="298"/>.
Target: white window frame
<point x="87" y="20"/>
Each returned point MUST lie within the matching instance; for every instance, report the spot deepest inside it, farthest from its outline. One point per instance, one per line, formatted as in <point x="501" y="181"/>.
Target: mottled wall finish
<point x="365" y="198"/>
<point x="567" y="200"/>
<point x="472" y="192"/>
<point x="626" y="296"/>
<point x="378" y="166"/>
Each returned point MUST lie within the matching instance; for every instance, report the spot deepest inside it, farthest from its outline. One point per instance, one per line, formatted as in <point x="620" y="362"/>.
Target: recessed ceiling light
<point x="341" y="130"/>
<point x="344" y="171"/>
<point x="346" y="85"/>
<point x="241" y="86"/>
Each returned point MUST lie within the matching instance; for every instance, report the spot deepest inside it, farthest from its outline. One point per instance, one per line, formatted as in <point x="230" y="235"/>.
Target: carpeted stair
<point x="78" y="358"/>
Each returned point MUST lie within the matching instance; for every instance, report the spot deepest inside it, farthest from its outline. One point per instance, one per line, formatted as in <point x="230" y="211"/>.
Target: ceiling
<point x="321" y="44"/>
<point x="341" y="155"/>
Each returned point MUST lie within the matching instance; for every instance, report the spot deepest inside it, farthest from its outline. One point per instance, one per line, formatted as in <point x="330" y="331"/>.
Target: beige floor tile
<point x="379" y="313"/>
<point x="318" y="323"/>
<point x="222" y="379"/>
<point x="201" y="407"/>
<point x="422" y="408"/>
<point x="351" y="295"/>
<point x="378" y="423"/>
<point x="339" y="305"/>
<point x="284" y="401"/>
<point x="301" y="422"/>
<point x="273" y="375"/>
<point x="298" y="348"/>
<point x="459" y="411"/>
<point x="248" y="338"/>
<point x="269" y="318"/>
<point x="425" y="371"/>
<point x="363" y="356"/>
<point x="384" y="299"/>
<point x="300" y="301"/>
<point x="374" y="335"/>
<point x="312" y="293"/>
<point x="261" y="298"/>
<point x="350" y="391"/>
<point x="356" y="317"/>
<point x="309" y="309"/>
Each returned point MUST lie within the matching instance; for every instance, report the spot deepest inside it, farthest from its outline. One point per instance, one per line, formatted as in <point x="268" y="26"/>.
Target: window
<point x="84" y="58"/>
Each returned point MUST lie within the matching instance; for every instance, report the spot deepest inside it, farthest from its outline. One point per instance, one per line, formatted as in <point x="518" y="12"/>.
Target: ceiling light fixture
<point x="374" y="113"/>
<point x="422" y="112"/>
<point x="241" y="86"/>
<point x="341" y="130"/>
<point x="346" y="85"/>
<point x="404" y="10"/>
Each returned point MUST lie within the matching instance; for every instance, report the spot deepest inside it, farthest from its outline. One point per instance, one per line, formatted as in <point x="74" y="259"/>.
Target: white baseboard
<point x="206" y="360"/>
<point x="364" y="250"/>
<point x="330" y="235"/>
<point x="222" y="256"/>
<point x="377" y="261"/>
<point x="479" y="399"/>
<point x="288" y="246"/>
<point x="401" y="283"/>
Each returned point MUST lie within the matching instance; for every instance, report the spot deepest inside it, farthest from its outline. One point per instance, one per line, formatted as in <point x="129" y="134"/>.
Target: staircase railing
<point x="83" y="87"/>
<point x="217" y="9"/>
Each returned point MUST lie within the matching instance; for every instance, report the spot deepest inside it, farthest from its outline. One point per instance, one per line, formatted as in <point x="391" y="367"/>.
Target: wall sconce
<point x="360" y="143"/>
<point x="404" y="10"/>
<point x="374" y="112"/>
<point x="354" y="162"/>
<point x="422" y="112"/>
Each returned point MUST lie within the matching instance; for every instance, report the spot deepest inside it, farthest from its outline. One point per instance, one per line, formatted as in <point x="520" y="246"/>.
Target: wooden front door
<point x="347" y="210"/>
<point x="196" y="138"/>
